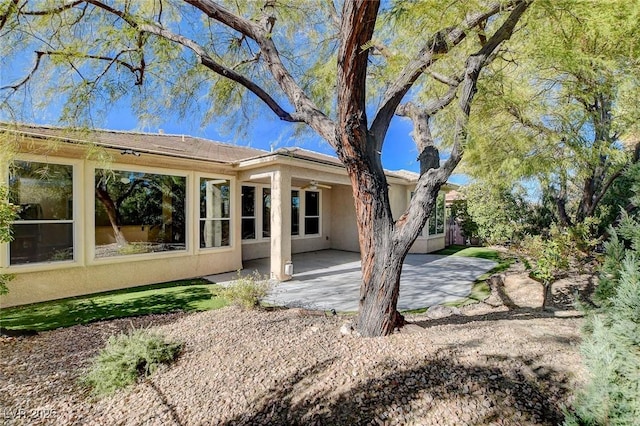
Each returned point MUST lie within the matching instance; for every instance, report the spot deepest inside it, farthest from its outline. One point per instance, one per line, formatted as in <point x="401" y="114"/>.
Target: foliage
<point x="620" y="197"/>
<point x="247" y="291"/>
<point x="564" y="115"/>
<point x="611" y="348"/>
<point x="548" y="256"/>
<point x="497" y="212"/>
<point x="188" y="295"/>
<point x="127" y="357"/>
<point x="460" y="213"/>
<point x="8" y="213"/>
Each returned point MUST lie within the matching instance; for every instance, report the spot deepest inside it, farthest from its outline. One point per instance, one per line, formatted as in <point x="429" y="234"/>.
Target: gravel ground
<point x="486" y="365"/>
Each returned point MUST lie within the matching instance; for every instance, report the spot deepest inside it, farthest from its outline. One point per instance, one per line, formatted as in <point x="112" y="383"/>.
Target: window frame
<point x="425" y="232"/>
<point x="230" y="219"/>
<point x="259" y="213"/>
<point x="257" y="232"/>
<point x="77" y="223"/>
<point x="91" y="213"/>
<point x="305" y="216"/>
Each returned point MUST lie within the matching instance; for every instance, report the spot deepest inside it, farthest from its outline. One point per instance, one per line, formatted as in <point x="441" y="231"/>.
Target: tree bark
<point x="109" y="206"/>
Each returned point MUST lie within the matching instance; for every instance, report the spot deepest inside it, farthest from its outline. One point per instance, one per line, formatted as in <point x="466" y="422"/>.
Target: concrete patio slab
<point x="330" y="279"/>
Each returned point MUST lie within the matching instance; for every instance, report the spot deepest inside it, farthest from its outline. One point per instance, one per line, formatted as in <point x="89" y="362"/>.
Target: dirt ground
<point x="501" y="362"/>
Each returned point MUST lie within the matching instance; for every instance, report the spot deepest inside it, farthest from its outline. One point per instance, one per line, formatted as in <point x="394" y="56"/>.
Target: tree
<point x="611" y="347"/>
<point x="222" y="53"/>
<point x="566" y="121"/>
<point x="500" y="214"/>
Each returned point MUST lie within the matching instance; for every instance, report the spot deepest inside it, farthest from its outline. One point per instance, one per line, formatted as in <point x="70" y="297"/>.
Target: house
<point x="104" y="210"/>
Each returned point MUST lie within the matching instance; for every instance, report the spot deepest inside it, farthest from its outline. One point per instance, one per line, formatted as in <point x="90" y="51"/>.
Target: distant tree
<point x="499" y="214"/>
<point x="460" y="213"/>
<point x="307" y="62"/>
<point x="564" y="108"/>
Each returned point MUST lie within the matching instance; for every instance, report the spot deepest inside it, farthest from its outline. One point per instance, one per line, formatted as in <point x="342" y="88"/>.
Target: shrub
<point x="127" y="357"/>
<point x="8" y="212"/>
<point x="247" y="291"/>
<point x="611" y="347"/>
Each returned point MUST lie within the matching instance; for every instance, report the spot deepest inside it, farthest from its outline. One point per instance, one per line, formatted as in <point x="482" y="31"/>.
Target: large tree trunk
<point x="381" y="258"/>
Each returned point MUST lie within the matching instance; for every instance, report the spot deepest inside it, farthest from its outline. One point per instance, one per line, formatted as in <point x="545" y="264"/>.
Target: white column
<point x="280" y="222"/>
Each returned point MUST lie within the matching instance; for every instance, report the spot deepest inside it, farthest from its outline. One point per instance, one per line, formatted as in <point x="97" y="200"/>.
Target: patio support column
<point x="280" y="222"/>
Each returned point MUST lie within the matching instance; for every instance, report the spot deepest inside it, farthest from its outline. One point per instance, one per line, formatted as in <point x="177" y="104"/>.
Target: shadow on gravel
<point x="513" y="314"/>
<point x="517" y="391"/>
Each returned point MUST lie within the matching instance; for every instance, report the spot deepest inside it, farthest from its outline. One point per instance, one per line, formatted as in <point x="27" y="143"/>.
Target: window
<point x="43" y="231"/>
<point x="248" y="213"/>
<point x="138" y="212"/>
<point x="311" y="213"/>
<point x="436" y="221"/>
<point x="295" y="212"/>
<point x="266" y="212"/>
<point x="214" y="213"/>
<point x="440" y="214"/>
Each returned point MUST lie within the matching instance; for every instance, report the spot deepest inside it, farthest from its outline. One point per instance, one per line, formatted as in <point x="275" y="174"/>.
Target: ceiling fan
<point x="313" y="185"/>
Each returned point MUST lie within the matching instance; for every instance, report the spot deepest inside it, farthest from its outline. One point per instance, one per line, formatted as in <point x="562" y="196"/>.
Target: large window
<point x="138" y="212"/>
<point x="256" y="212"/>
<point x="248" y="213"/>
<point x="214" y="213"/>
<point x="311" y="213"/>
<point x="43" y="231"/>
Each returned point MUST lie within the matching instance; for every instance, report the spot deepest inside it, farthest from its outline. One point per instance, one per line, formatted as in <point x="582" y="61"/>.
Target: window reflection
<point x="138" y="213"/>
<point x="43" y="231"/>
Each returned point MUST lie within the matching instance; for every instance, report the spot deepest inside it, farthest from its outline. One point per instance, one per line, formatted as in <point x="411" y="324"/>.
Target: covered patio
<point x="330" y="279"/>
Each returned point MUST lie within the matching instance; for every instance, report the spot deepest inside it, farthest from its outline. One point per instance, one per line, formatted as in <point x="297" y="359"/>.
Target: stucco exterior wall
<point x="35" y="282"/>
<point x="31" y="287"/>
<point x="428" y="244"/>
<point x="343" y="220"/>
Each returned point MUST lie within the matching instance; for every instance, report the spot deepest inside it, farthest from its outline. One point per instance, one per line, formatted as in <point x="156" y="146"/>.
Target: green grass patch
<point x="186" y="295"/>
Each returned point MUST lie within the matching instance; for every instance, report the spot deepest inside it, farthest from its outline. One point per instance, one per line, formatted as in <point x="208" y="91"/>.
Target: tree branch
<point x="53" y="11"/>
<point x="431" y="180"/>
<point x="306" y="110"/>
<point x="28" y="77"/>
<point x="204" y="59"/>
<point x="358" y="22"/>
<point x="440" y="43"/>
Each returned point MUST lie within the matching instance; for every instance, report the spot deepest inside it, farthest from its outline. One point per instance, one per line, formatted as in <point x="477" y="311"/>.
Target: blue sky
<point x="399" y="151"/>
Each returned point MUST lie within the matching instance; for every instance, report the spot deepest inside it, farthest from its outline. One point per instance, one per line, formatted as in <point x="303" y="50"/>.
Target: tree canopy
<point x="564" y="107"/>
<point x="342" y="71"/>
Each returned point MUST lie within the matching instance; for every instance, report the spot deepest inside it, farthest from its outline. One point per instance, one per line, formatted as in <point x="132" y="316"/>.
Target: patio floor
<point x="330" y="279"/>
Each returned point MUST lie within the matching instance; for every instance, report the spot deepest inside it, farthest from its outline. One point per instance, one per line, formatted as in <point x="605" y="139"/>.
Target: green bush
<point x="247" y="291"/>
<point x="8" y="213"/>
<point x="127" y="357"/>
<point x="611" y="348"/>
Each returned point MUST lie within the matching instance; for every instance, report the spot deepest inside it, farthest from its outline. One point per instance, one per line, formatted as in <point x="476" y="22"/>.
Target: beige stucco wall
<point x="428" y="245"/>
<point x="45" y="281"/>
<point x="343" y="220"/>
<point x="40" y="286"/>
